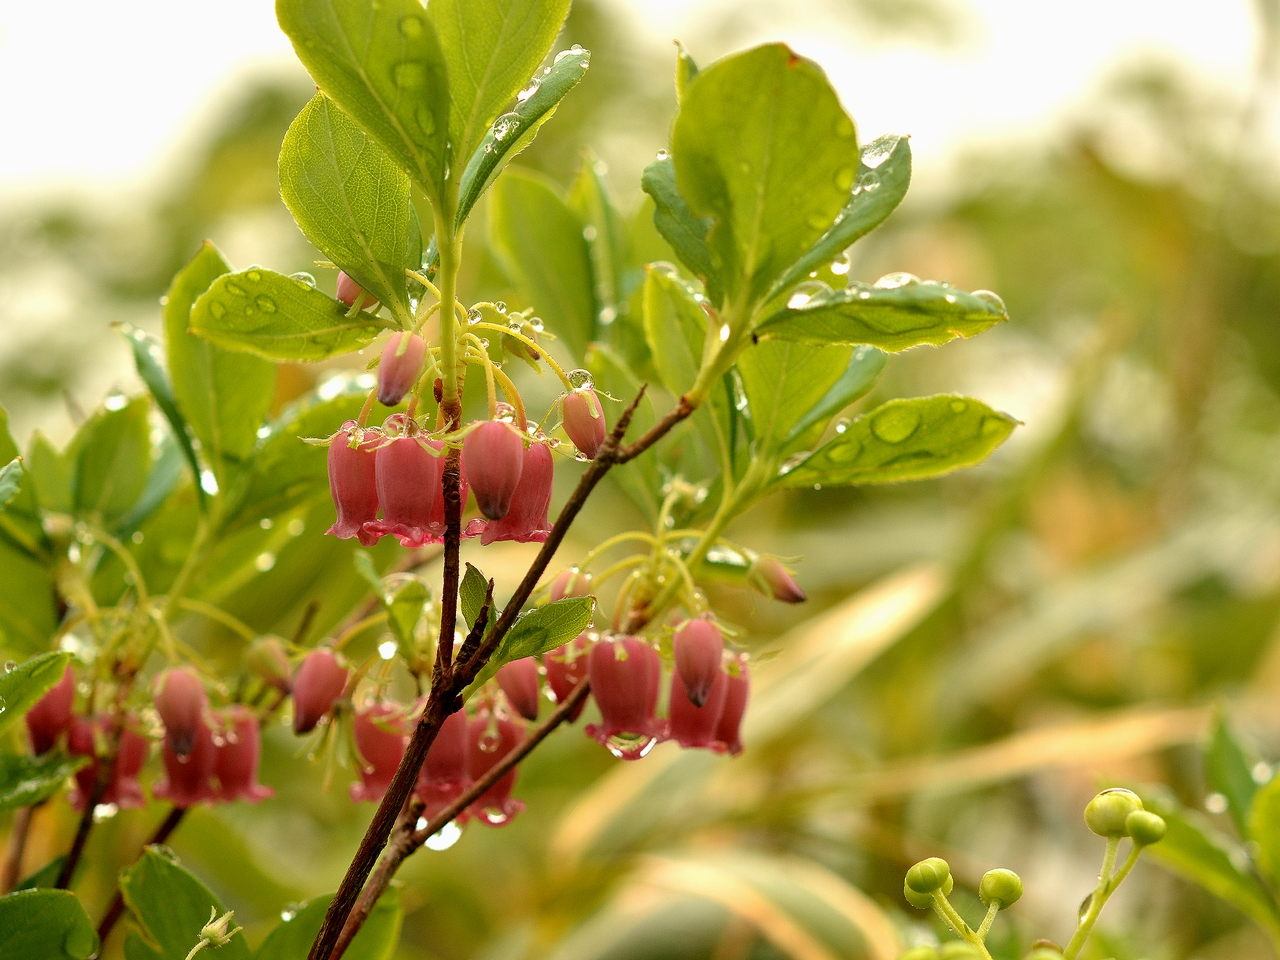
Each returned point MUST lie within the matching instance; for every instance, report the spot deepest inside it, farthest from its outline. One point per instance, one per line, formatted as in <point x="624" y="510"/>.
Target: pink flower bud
<point x="698" y="648"/>
<point x="692" y="725"/>
<point x="188" y="777"/>
<point x="380" y="734"/>
<point x="398" y="369"/>
<point x="584" y="420"/>
<point x="771" y="578"/>
<point x="181" y="703"/>
<point x="349" y="290"/>
<point x="570" y="583"/>
<point x="407" y="479"/>
<point x="526" y="519"/>
<point x="123" y="790"/>
<point x="320" y="680"/>
<point x="519" y="681"/>
<point x="493" y="457"/>
<point x="51" y="715"/>
<point x="443" y="777"/>
<point x="625" y="675"/>
<point x="491" y="738"/>
<point x="728" y="736"/>
<point x="235" y="763"/>
<point x="353" y="484"/>
<point x="566" y="668"/>
<point x="267" y="659"/>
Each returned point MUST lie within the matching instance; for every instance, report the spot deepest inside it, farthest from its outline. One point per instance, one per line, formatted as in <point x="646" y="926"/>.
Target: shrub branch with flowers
<point x="701" y="381"/>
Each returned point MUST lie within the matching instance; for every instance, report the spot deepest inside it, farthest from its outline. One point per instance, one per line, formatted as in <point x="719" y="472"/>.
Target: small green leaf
<point x="638" y="478"/>
<point x="352" y="201"/>
<point x="897" y="313"/>
<point x="686" y="70"/>
<point x="382" y="65"/>
<point x="46" y="878"/>
<point x="763" y="148"/>
<point x="25" y="684"/>
<point x="784" y="381"/>
<point x="491" y="48"/>
<point x="1229" y="772"/>
<point x="171" y="907"/>
<point x="675" y="327"/>
<point x="539" y="242"/>
<point x="605" y="234"/>
<point x="471" y="592"/>
<point x="884" y="173"/>
<point x="405" y="597"/>
<point x="10" y="481"/>
<point x="28" y="615"/>
<point x="114" y="461"/>
<point x="279" y="318"/>
<point x="25" y="780"/>
<point x="51" y="473"/>
<point x="20" y="519"/>
<point x="904" y="440"/>
<point x="292" y="938"/>
<point x="673" y="219"/>
<point x="545" y="628"/>
<point x="1263" y="827"/>
<point x="45" y="925"/>
<point x="864" y="369"/>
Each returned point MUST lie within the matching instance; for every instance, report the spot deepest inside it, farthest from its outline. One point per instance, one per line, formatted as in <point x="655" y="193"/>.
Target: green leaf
<point x="352" y="201"/>
<point x="686" y="70"/>
<point x="46" y="878"/>
<point x="25" y="684"/>
<point x="25" y="780"/>
<point x="864" y="369"/>
<point x="165" y="473"/>
<point x="897" y="313"/>
<point x="279" y="318"/>
<point x="20" y="519"/>
<point x="686" y="233"/>
<point x="638" y="478"/>
<point x="45" y="925"/>
<point x="223" y="395"/>
<point x="491" y="48"/>
<point x="545" y="628"/>
<point x="884" y="173"/>
<point x="28" y="614"/>
<point x="675" y="327"/>
<point x="904" y="440"/>
<point x="171" y="906"/>
<point x="472" y="592"/>
<point x="1263" y="827"/>
<point x="146" y="359"/>
<point x="539" y="242"/>
<point x="114" y="461"/>
<point x="405" y="597"/>
<point x="377" y="939"/>
<point x="605" y="235"/>
<point x="1228" y="771"/>
<point x="10" y="481"/>
<point x="51" y="473"/>
<point x="784" y="381"/>
<point x="382" y="64"/>
<point x="763" y="148"/>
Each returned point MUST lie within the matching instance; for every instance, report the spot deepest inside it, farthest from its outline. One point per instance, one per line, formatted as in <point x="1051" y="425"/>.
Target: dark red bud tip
<point x="493" y="457"/>
<point x="349" y="290"/>
<point x="584" y="421"/>
<point x="379" y="733"/>
<point x="570" y="583"/>
<point x="51" y="715"/>
<point x="399" y="367"/>
<point x="526" y="518"/>
<point x="318" y="683"/>
<point x="698" y="648"/>
<point x="772" y="579"/>
<point x="519" y="681"/>
<point x="353" y="484"/>
<point x="181" y="703"/>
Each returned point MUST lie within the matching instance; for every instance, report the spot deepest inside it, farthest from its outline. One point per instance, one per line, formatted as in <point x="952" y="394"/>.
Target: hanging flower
<point x="584" y="421"/>
<point x="235" y="764"/>
<point x="625" y="674"/>
<point x="320" y="680"/>
<point x="526" y="519"/>
<point x="698" y="648"/>
<point x="380" y="736"/>
<point x="398" y="368"/>
<point x="123" y="790"/>
<point x="51" y="716"/>
<point x="771" y="578"/>
<point x="444" y="777"/>
<point x="728" y="730"/>
<point x="570" y="583"/>
<point x="181" y="702"/>
<point x="188" y="777"/>
<point x="493" y="456"/>
<point x="692" y="725"/>
<point x="349" y="291"/>
<point x="407" y="476"/>
<point x="490" y="738"/>
<point x="353" y="482"/>
<point x="519" y="681"/>
<point x="566" y="668"/>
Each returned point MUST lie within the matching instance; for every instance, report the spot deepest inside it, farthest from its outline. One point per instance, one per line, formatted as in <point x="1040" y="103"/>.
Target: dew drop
<point x="895" y="424"/>
<point x="528" y="91"/>
<point x="444" y="838"/>
<point x="840" y="266"/>
<point x="305" y="277"/>
<point x="411" y="27"/>
<point x="844" y="451"/>
<point x="958" y="406"/>
<point x="410" y="74"/>
<point x="506" y="125"/>
<point x="217" y="309"/>
<point x="895" y="281"/>
<point x="387" y="649"/>
<point x="264" y="561"/>
<point x="236" y="289"/>
<point x="265" y="303"/>
<point x="254" y="276"/>
<point x="10" y="666"/>
<point x="80" y="942"/>
<point x="662" y="155"/>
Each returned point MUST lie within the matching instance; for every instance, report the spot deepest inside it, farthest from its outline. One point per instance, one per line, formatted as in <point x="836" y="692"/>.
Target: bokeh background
<point x="980" y="653"/>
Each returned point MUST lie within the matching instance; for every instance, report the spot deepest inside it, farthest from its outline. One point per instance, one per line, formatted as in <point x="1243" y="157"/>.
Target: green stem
<point x="528" y="342"/>
<point x="942" y="906"/>
<point x="989" y="919"/>
<point x="446" y="241"/>
<point x="221" y="616"/>
<point x="1106" y="886"/>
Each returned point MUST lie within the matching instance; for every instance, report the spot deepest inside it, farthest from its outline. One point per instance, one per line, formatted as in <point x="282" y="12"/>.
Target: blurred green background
<point x="979" y="654"/>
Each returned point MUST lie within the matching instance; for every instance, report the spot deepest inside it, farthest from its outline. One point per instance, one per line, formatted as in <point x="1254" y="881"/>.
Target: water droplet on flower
<point x="387" y="649"/>
<point x="104" y="811"/>
<point x="444" y="838"/>
<point x="581" y="378"/>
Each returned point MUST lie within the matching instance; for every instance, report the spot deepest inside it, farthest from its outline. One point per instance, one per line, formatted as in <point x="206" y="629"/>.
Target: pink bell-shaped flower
<point x="399" y="368"/>
<point x="320" y="680"/>
<point x="235" y="764"/>
<point x="519" y="681"/>
<point x="407" y="476"/>
<point x="51" y="715"/>
<point x="188" y="777"/>
<point x="181" y="703"/>
<point x="567" y="667"/>
<point x="584" y="420"/>
<point x="570" y="583"/>
<point x="353" y="483"/>
<point x="443" y="777"/>
<point x="379" y="732"/>
<point x="728" y="730"/>
<point x="770" y="577"/>
<point x="493" y="456"/>
<point x="123" y="790"/>
<point x="349" y="291"/>
<point x="691" y="725"/>
<point x="471" y="528"/>
<point x="490" y="738"/>
<point x="698" y="648"/>
<point x="526" y="519"/>
<point x="625" y="675"/>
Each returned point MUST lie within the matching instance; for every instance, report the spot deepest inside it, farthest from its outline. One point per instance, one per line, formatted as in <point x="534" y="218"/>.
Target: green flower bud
<point x="1044" y="953"/>
<point x="1145" y="827"/>
<point x="1105" y="815"/>
<point x="921" y="901"/>
<point x="1000" y="886"/>
<point x="958" y="950"/>
<point x="920" y="953"/>
<point x="928" y="875"/>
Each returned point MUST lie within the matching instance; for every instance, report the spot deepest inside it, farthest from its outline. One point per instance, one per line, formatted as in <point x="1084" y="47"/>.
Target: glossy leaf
<point x="25" y="684"/>
<point x="638" y="478"/>
<point x="27" y="780"/>
<point x="539" y="242"/>
<point x="114" y="460"/>
<point x="686" y="70"/>
<point x="45" y="925"/>
<point x="1228" y="771"/>
<point x="166" y="472"/>
<point x="784" y="381"/>
<point x="383" y="66"/>
<point x="545" y="628"/>
<point x="605" y="235"/>
<point x="686" y="233"/>
<point x="51" y="474"/>
<point x="904" y="440"/>
<point x="171" y="906"/>
<point x="884" y="173"/>
<point x="897" y="313"/>
<point x="20" y="518"/>
<point x="1263" y="827"/>
<point x="278" y="317"/>
<point x="763" y="148"/>
<point x="864" y="369"/>
<point x="471" y="593"/>
<point x="10" y="481"/>
<point x="292" y="939"/>
<point x="352" y="201"/>
<point x="28" y="615"/>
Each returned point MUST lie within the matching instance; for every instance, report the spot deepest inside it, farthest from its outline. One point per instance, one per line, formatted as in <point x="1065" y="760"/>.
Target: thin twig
<point x="17" y="846"/>
<point x="116" y="908"/>
<point x="106" y="770"/>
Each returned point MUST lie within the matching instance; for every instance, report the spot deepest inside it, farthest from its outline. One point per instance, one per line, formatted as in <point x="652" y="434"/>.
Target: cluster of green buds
<point x="1113" y="814"/>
